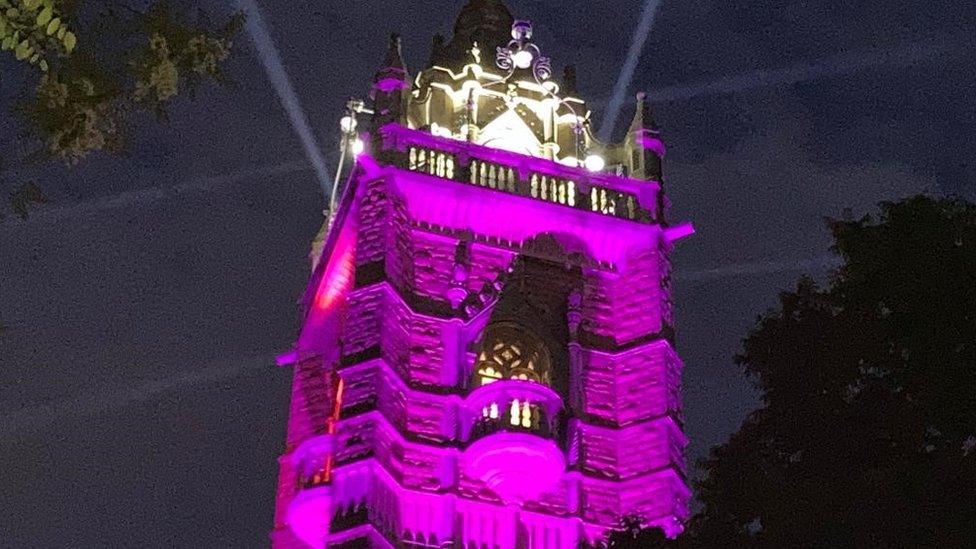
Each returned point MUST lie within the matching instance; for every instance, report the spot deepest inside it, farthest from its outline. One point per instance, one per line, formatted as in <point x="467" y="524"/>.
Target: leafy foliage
<point x="29" y="193"/>
<point x="178" y="55"/>
<point x="867" y="434"/>
<point x="35" y="32"/>
<point x="76" y="111"/>
<point x="84" y="92"/>
<point x="867" y="431"/>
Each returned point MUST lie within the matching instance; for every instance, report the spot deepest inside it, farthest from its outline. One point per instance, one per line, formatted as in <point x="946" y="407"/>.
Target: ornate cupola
<point x="486" y="355"/>
<point x="494" y="86"/>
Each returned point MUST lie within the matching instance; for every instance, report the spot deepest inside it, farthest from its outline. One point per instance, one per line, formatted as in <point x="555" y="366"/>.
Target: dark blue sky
<point x="146" y="304"/>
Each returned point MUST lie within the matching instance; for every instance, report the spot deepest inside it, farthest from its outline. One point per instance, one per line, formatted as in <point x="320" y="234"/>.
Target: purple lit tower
<point x="486" y="357"/>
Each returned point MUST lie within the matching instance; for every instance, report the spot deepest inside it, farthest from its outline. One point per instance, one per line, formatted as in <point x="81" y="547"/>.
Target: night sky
<point x="139" y="401"/>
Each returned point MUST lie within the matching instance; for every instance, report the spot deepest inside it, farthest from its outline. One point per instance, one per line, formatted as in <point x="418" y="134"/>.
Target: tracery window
<point x="509" y="351"/>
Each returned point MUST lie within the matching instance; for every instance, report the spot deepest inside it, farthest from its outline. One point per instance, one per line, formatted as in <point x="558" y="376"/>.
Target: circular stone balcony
<point x="511" y="429"/>
<point x="309" y="515"/>
<point x="310" y="511"/>
<point x="498" y="401"/>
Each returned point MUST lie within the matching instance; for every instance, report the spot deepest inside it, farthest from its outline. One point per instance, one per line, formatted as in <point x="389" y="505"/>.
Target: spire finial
<point x="394" y="53"/>
<point x="393" y="66"/>
<point x="643" y="117"/>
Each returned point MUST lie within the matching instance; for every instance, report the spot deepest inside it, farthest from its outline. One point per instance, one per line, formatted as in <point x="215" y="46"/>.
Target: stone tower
<point x="486" y="353"/>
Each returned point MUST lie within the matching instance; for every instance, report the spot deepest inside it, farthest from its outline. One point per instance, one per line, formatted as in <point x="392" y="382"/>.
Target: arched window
<point x="509" y="351"/>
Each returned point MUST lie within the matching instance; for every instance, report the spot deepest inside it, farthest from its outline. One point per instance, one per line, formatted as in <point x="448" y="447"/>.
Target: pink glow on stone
<point x="368" y="483"/>
<point x="652" y="143"/>
<point x="287" y="358"/>
<point x="388" y="85"/>
<point x="609" y="380"/>
<point x="309" y="515"/>
<point x="519" y="219"/>
<point x="338" y="275"/>
<point x="677" y="232"/>
<point x="408" y="452"/>
<point x="314" y="454"/>
<point x="331" y="288"/>
<point x="401" y="138"/>
<point x="518" y="467"/>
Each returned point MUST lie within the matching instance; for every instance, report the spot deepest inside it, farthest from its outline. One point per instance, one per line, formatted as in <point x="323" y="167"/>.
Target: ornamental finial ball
<point x="522" y="30"/>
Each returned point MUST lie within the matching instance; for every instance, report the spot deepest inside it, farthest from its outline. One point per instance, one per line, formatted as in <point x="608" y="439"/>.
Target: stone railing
<point x="521" y="175"/>
<point x="530" y="418"/>
<point x="511" y="405"/>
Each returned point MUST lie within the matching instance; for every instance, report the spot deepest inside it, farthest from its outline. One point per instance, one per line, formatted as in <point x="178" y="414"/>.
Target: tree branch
<point x="111" y="4"/>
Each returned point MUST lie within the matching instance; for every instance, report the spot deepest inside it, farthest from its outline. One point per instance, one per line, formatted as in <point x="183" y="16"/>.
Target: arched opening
<point x="511" y="351"/>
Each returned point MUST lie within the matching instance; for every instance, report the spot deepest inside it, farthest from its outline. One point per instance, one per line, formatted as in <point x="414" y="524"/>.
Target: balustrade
<point x="518" y="416"/>
<point x="432" y="162"/>
<point x="511" y="438"/>
<point x="465" y="167"/>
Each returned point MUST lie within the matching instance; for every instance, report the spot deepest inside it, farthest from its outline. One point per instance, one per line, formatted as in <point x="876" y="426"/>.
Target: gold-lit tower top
<point x="491" y="84"/>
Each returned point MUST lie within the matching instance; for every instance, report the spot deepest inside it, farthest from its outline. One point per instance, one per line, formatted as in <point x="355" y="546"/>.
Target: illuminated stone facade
<point x="486" y="359"/>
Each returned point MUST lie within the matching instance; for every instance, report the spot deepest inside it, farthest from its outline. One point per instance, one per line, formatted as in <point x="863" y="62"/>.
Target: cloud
<point x="112" y="399"/>
<point x="65" y="211"/>
<point x="848" y="63"/>
<point x="813" y="265"/>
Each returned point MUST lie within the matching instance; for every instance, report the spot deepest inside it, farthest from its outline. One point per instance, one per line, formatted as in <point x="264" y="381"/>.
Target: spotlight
<point x="357" y="146"/>
<point x="523" y="59"/>
<point x="595" y="163"/>
<point x="347" y="124"/>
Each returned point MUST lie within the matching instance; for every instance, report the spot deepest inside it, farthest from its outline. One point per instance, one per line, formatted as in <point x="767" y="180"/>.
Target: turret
<point x="645" y="138"/>
<point x="389" y="86"/>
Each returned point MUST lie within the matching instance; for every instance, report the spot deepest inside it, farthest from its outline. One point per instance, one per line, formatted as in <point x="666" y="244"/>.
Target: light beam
<point x="275" y="70"/>
<point x="111" y="399"/>
<point x="627" y="72"/>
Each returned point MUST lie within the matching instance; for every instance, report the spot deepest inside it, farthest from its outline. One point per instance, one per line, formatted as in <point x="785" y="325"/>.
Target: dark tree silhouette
<point x="867" y="434"/>
<point x="630" y="535"/>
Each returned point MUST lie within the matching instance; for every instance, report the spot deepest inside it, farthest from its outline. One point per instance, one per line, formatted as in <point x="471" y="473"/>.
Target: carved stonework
<point x="544" y="247"/>
<point x="485" y="357"/>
